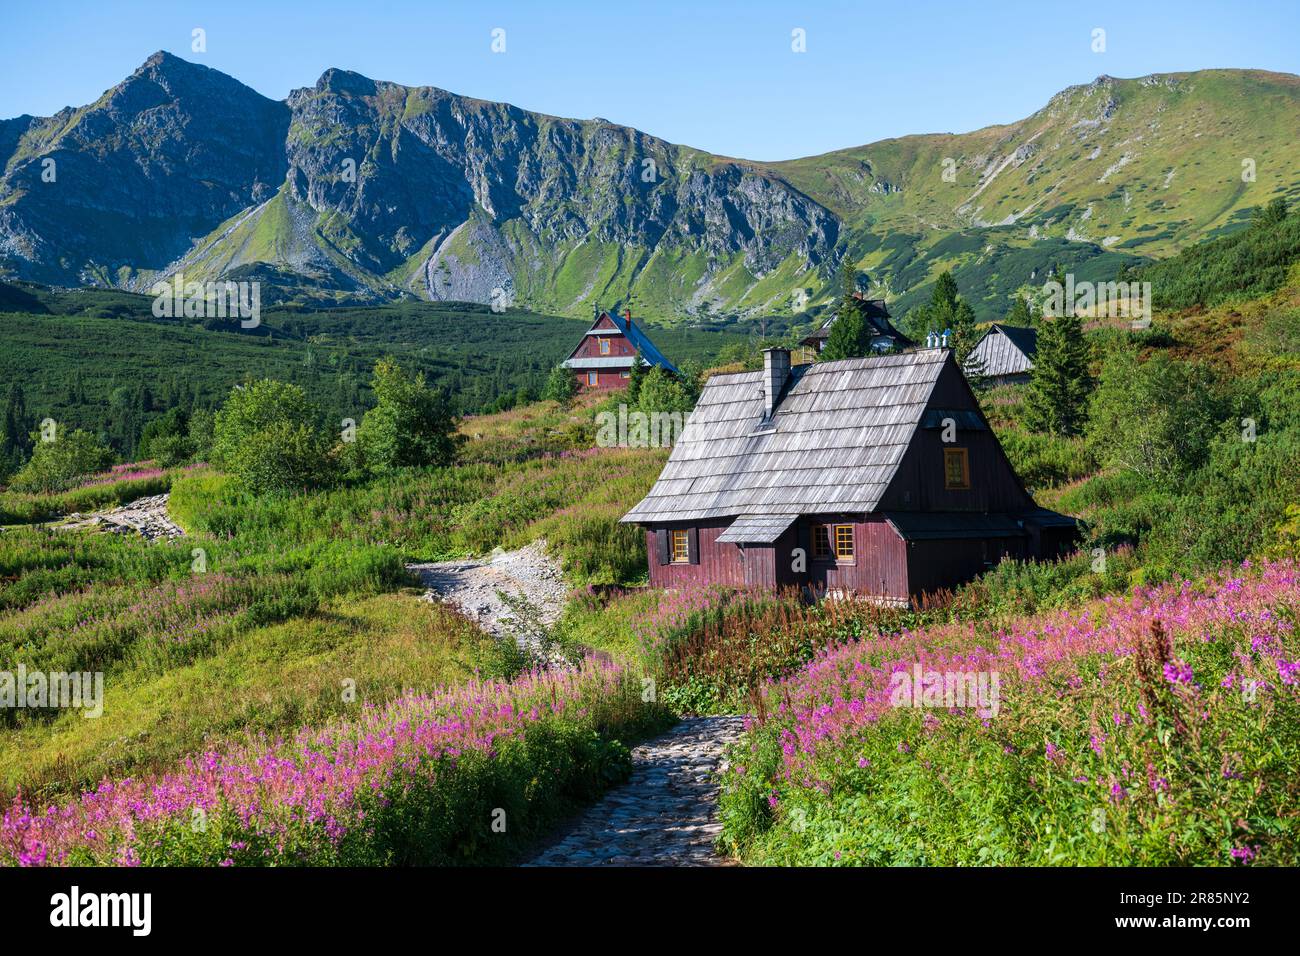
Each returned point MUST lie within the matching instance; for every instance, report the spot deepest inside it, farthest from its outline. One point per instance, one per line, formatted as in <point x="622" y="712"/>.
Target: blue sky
<point x="716" y="75"/>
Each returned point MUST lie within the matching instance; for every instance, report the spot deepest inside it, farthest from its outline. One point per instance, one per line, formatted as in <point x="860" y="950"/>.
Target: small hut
<point x="1005" y="355"/>
<point x="875" y="476"/>
<point x="604" y="358"/>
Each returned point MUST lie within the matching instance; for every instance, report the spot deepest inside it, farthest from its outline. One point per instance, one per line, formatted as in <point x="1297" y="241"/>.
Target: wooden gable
<point x="920" y="483"/>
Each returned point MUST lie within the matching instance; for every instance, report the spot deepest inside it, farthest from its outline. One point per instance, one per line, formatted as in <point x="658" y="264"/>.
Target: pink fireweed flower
<point x="1178" y="672"/>
<point x="842" y="696"/>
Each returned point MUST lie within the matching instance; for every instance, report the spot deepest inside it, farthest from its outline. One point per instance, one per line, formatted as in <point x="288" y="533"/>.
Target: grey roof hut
<point x="1006" y="353"/>
<point x="884" y="336"/>
<point x="877" y="476"/>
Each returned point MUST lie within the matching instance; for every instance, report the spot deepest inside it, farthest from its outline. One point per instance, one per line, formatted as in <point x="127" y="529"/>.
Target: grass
<point x="472" y="774"/>
<point x="270" y="679"/>
<point x="116" y="487"/>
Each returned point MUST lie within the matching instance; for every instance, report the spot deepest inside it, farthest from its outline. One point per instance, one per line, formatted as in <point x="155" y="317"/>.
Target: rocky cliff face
<point x="371" y="188"/>
<point x="100" y="192"/>
<point x="365" y="189"/>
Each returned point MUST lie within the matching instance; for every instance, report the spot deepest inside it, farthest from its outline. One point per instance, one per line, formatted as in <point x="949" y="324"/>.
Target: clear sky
<point x="720" y="75"/>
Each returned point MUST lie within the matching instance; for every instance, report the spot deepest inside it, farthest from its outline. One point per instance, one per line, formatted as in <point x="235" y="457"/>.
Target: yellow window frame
<point x="679" y="546"/>
<point x="832" y="541"/>
<point x="956" y="469"/>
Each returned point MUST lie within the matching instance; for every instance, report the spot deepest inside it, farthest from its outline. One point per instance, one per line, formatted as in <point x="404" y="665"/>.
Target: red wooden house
<point x="877" y="476"/>
<point x="604" y="357"/>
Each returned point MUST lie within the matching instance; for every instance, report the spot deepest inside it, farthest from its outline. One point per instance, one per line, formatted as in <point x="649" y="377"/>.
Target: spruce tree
<point x="1056" y="399"/>
<point x="850" y="337"/>
<point x="635" y="377"/>
<point x="965" y="336"/>
<point x="1019" y="315"/>
<point x="943" y="301"/>
<point x="560" y="385"/>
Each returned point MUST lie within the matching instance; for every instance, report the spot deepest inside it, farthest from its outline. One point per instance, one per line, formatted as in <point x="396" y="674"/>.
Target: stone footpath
<point x="146" y="517"/>
<point x="666" y="814"/>
<point x="472" y="586"/>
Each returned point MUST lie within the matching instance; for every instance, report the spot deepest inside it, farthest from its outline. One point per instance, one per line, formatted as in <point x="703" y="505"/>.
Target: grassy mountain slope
<point x="362" y="190"/>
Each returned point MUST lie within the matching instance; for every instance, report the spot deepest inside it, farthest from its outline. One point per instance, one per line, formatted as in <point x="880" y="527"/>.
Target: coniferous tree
<point x="847" y="279"/>
<point x="635" y="377"/>
<point x="560" y="385"/>
<point x="1056" y="399"/>
<point x="940" y="313"/>
<point x="850" y="336"/>
<point x="943" y="300"/>
<point x="965" y="336"/>
<point x="1019" y="314"/>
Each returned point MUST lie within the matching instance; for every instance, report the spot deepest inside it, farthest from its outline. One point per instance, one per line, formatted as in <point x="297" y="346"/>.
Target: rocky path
<point x="666" y="814"/>
<point x="473" y="586"/>
<point x="146" y="517"/>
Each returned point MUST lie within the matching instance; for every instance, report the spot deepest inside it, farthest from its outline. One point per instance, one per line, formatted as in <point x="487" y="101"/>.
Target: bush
<point x="265" y="435"/>
<point x="1155" y="417"/>
<point x="1245" y="265"/>
<point x="56" y="465"/>
<point x="561" y="385"/>
<point x="662" y="391"/>
<point x="409" y="425"/>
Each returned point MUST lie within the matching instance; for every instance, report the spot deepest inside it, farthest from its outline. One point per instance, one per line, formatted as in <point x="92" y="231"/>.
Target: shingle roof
<point x="757" y="529"/>
<point x="1006" y="350"/>
<point x="841" y="429"/>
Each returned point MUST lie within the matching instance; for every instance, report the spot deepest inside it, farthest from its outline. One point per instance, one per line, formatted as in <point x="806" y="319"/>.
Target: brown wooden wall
<point x="619" y="347"/>
<point x="919" y="482"/>
<point x="879" y="567"/>
<point x="942" y="565"/>
<point x="720" y="562"/>
<point x="589" y="347"/>
<point x="606" y="379"/>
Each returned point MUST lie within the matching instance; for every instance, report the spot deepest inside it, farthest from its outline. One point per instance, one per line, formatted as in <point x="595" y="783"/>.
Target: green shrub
<point x="266" y="435"/>
<point x="410" y="425"/>
<point x="56" y="465"/>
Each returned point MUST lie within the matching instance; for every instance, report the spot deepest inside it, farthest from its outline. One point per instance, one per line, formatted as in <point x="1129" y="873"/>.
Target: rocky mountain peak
<point x="335" y="80"/>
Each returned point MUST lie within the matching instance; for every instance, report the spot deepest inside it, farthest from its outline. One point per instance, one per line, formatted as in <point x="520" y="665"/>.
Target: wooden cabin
<point x="604" y="358"/>
<point x="877" y="476"/>
<point x="884" y="338"/>
<point x="1005" y="355"/>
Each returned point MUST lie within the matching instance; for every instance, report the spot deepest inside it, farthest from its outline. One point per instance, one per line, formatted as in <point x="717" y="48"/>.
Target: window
<point x="832" y="541"/>
<point x="844" y="542"/>
<point x="604" y="346"/>
<point x="624" y="374"/>
<point x="956" y="469"/>
<point x="821" y="542"/>
<point x="681" y="548"/>
<point x="593" y="378"/>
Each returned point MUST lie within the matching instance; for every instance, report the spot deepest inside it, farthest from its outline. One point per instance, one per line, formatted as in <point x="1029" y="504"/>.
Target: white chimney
<point x="776" y="370"/>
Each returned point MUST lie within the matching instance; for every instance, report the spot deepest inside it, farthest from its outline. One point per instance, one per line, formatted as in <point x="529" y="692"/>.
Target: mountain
<point x="361" y="190"/>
